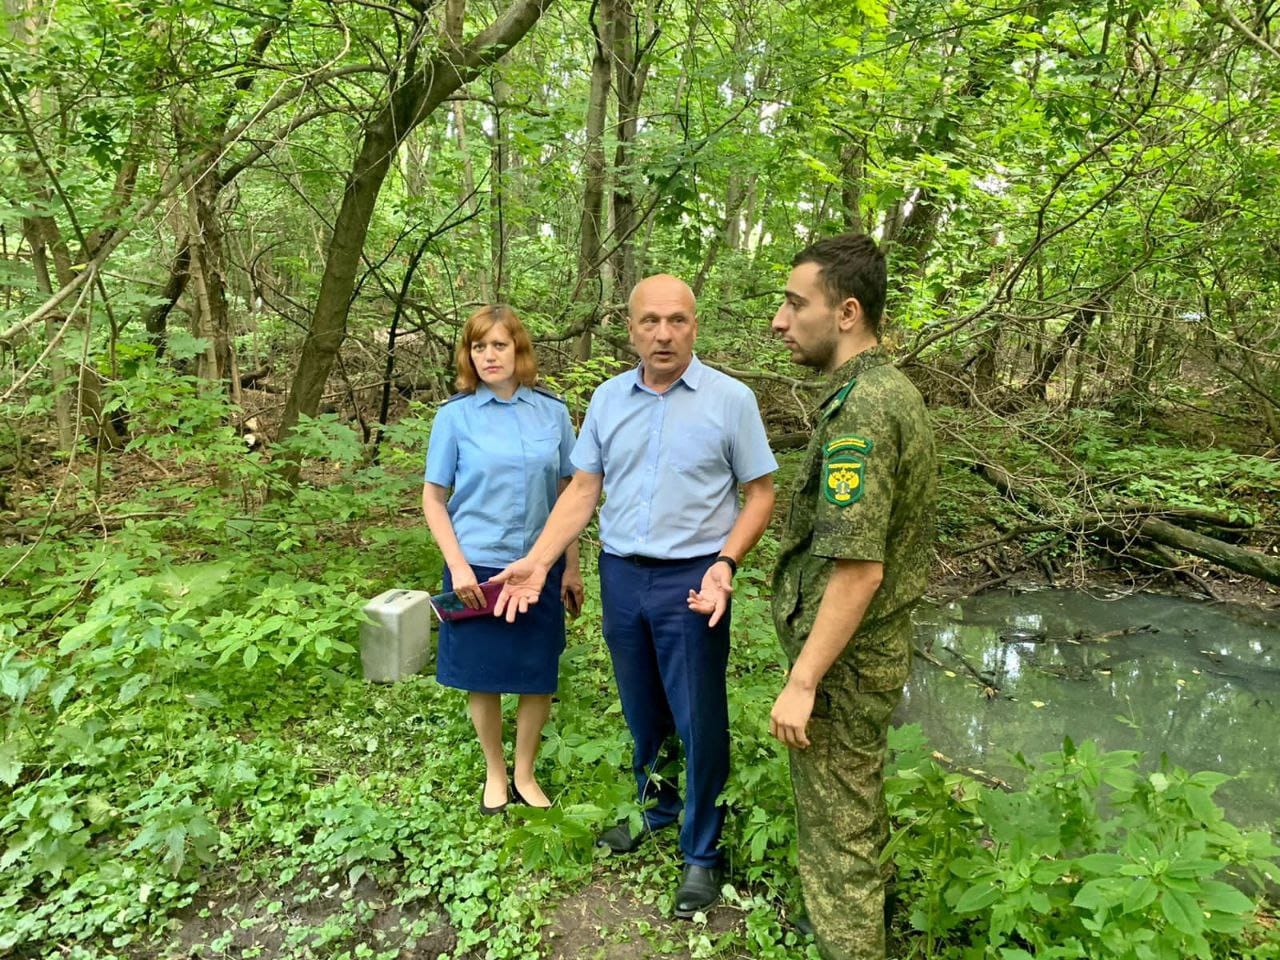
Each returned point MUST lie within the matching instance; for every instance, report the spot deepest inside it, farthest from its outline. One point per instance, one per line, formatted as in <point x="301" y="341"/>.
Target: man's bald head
<point x="663" y="287"/>
<point x="662" y="323"/>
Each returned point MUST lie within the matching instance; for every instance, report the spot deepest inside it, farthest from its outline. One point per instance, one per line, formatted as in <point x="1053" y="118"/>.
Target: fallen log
<point x="1194" y="514"/>
<point x="1165" y="558"/>
<point x="1010" y="574"/>
<point x="1239" y="559"/>
<point x="928" y="657"/>
<point x="1135" y="527"/>
<point x="989" y="686"/>
<point x="1082" y="637"/>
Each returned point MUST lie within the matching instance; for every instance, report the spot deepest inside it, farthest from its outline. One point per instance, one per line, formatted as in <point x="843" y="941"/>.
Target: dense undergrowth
<point x="183" y="715"/>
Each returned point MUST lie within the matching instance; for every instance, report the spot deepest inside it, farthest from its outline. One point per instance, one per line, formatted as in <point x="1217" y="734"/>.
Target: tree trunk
<point x="455" y="12"/>
<point x="205" y="263"/>
<point x="984" y="364"/>
<point x="632" y="63"/>
<point x="913" y="239"/>
<point x="590" y="229"/>
<point x="1076" y="329"/>
<point x="500" y="150"/>
<point x="1077" y="381"/>
<point x="851" y="160"/>
<point x="156" y="319"/>
<point x="729" y="234"/>
<point x="749" y="211"/>
<point x="80" y="397"/>
<point x="57" y="366"/>
<point x="1268" y="404"/>
<point x="415" y="166"/>
<point x="422" y="91"/>
<point x="389" y="368"/>
<point x="1249" y="562"/>
<point x="467" y="195"/>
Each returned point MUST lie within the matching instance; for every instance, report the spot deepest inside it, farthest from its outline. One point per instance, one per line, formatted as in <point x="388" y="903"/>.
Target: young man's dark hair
<point x="852" y="266"/>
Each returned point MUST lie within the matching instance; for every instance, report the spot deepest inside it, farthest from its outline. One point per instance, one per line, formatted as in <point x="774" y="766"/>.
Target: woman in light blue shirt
<point x="497" y="459"/>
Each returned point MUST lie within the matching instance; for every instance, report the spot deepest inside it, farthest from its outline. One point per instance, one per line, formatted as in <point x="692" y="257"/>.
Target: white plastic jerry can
<point x="395" y="635"/>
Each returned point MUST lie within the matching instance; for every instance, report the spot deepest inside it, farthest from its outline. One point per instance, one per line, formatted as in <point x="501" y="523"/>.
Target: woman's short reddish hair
<point x="479" y="324"/>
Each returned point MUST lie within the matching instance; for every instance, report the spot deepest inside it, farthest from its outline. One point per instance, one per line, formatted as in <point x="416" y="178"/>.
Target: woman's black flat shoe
<point x="489" y="811"/>
<point x="521" y="801"/>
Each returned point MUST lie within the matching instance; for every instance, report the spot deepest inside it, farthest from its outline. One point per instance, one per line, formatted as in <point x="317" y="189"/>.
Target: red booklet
<point x="449" y="606"/>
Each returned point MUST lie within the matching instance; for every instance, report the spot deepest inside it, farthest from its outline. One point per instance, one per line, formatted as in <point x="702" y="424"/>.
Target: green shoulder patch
<point x="849" y="444"/>
<point x="842" y="479"/>
<point x="844" y="468"/>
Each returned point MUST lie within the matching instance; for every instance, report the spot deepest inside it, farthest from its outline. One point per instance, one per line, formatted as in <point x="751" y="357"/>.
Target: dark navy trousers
<point x="670" y="669"/>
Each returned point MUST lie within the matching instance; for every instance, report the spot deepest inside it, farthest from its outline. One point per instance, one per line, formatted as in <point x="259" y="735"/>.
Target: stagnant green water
<point x="1201" y="685"/>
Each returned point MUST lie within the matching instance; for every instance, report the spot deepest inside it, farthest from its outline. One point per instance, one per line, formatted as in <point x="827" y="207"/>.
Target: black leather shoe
<point x="699" y="890"/>
<point x="620" y="839"/>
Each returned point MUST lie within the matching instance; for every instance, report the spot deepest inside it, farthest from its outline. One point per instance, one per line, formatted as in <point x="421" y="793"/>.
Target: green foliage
<point x="576" y="383"/>
<point x="145" y="744"/>
<point x="1089" y="463"/>
<point x="1090" y="859"/>
<point x="1216" y="479"/>
<point x="182" y="712"/>
<point x="131" y="665"/>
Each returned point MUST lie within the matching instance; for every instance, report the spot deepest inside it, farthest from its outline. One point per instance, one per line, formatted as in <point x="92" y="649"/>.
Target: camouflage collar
<point x="841" y="376"/>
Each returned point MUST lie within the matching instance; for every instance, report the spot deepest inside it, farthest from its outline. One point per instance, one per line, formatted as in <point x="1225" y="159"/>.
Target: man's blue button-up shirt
<point x="503" y="459"/>
<point x="672" y="461"/>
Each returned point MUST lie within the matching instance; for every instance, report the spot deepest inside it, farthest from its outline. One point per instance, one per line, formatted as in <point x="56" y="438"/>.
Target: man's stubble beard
<point x="821" y="356"/>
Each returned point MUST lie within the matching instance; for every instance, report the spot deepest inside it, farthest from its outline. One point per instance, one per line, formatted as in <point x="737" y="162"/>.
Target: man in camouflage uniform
<point x="854" y="559"/>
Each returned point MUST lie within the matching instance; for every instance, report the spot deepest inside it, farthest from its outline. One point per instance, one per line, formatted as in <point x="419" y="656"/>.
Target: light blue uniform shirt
<point x="503" y="459"/>
<point x="672" y="461"/>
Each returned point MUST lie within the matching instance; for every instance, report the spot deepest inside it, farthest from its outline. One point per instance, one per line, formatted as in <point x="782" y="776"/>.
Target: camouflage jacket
<point x="866" y="492"/>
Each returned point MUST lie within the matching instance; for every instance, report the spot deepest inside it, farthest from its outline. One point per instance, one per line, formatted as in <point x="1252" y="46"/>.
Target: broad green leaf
<point x="1139" y="895"/>
<point x="1182" y="912"/>
<point x="1103" y="863"/>
<point x="978" y="897"/>
<point x="79" y="635"/>
<point x="1216" y="895"/>
<point x="132" y="687"/>
<point x="10" y="766"/>
<point x="59" y="689"/>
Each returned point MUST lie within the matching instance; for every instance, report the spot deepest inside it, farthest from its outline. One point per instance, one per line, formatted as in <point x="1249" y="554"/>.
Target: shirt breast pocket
<point x="698" y="451"/>
<point x="541" y="447"/>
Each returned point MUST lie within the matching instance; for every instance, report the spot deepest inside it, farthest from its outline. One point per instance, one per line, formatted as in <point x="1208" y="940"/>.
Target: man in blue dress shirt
<point x="668" y="443"/>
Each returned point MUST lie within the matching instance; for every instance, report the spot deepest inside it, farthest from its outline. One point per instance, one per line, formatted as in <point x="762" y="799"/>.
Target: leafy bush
<point x="1092" y="859"/>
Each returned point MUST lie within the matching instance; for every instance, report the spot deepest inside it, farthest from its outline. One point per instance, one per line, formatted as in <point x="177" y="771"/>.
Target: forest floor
<point x="609" y="917"/>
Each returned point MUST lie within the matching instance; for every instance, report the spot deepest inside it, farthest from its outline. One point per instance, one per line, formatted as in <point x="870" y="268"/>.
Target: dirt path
<point x="320" y="917"/>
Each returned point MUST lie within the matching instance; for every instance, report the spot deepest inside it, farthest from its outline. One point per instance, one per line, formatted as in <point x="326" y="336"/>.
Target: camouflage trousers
<point x="841" y="818"/>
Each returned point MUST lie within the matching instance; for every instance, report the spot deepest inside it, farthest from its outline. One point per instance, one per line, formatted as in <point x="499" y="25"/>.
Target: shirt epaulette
<point x="834" y="402"/>
<point x="539" y="388"/>
<point x="457" y="396"/>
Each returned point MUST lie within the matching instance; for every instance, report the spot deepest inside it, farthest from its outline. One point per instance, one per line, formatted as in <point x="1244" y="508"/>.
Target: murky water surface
<point x="1198" y="682"/>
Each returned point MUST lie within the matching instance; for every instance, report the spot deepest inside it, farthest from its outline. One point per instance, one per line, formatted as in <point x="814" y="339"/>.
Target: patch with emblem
<point x="844" y="469"/>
